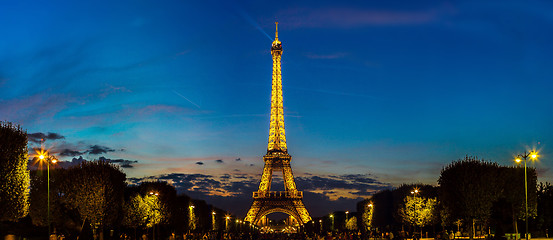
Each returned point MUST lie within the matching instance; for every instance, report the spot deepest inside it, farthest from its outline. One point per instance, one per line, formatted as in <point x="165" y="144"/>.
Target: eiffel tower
<point x="277" y="158"/>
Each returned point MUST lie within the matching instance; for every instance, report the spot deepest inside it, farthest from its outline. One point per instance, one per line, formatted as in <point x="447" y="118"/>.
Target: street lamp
<point x="191" y="218"/>
<point x="227" y="218"/>
<point x="346" y="222"/>
<point x="154" y="213"/>
<point x="44" y="156"/>
<point x="332" y="222"/>
<point x="321" y="225"/>
<point x="414" y="192"/>
<point x="213" y="223"/>
<point x="533" y="156"/>
<point x="369" y="220"/>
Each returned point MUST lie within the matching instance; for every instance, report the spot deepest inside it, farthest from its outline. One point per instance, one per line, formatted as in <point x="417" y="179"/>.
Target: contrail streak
<point x="180" y="95"/>
<point x="335" y="92"/>
<point x="250" y="20"/>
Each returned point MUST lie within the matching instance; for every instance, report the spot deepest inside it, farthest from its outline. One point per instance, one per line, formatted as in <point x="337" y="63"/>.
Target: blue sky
<point x="386" y="92"/>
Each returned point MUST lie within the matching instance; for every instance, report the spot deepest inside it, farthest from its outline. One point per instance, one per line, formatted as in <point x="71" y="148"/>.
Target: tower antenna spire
<point x="276" y="32"/>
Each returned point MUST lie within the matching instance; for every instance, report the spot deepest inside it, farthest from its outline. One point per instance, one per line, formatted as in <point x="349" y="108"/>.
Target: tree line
<point x="473" y="198"/>
<point x="93" y="200"/>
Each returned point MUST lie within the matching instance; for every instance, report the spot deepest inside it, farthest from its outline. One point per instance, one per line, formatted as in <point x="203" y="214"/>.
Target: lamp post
<point x="191" y="218"/>
<point x="346" y="222"/>
<point x="45" y="156"/>
<point x="213" y="223"/>
<point x="227" y="218"/>
<point x="533" y="156"/>
<point x="154" y="213"/>
<point x="331" y="223"/>
<point x="414" y="192"/>
<point x="321" y="225"/>
<point x="369" y="218"/>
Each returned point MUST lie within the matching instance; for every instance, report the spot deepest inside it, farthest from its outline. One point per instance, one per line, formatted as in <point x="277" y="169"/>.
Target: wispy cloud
<point x="351" y="17"/>
<point x="110" y="89"/>
<point x="39" y="137"/>
<point x="324" y="91"/>
<point x="97" y="149"/>
<point x="236" y="187"/>
<point x="325" y="56"/>
<point x="37" y="107"/>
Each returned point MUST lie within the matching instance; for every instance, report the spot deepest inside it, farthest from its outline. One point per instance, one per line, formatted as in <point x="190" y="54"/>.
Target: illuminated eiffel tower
<point x="277" y="158"/>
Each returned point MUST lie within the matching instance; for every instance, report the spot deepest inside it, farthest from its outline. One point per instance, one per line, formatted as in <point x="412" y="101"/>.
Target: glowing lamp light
<point x="518" y="160"/>
<point x="213" y="213"/>
<point x="41" y="157"/>
<point x="54" y="160"/>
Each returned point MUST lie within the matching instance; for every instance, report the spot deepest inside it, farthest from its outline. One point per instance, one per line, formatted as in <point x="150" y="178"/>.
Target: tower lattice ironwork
<point x="277" y="158"/>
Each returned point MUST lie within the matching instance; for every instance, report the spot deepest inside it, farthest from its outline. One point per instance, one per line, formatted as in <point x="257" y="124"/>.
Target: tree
<point x="351" y="224"/>
<point x="399" y="195"/>
<point x="545" y="206"/>
<point x="38" y="197"/>
<point x="514" y="195"/>
<point x="181" y="213"/>
<point x="144" y="211"/>
<point x="418" y="211"/>
<point x="157" y="212"/>
<point x="95" y="189"/>
<point x="14" y="176"/>
<point x="135" y="212"/>
<point x="365" y="210"/>
<point x="468" y="189"/>
<point x="382" y="211"/>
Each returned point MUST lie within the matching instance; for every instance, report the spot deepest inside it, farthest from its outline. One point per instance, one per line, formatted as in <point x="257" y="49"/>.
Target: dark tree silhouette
<point x="468" y="189"/>
<point x="545" y="208"/>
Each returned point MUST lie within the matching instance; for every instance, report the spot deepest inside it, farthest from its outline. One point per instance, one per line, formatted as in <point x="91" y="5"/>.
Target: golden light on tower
<point x="277" y="158"/>
<point x="277" y="134"/>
